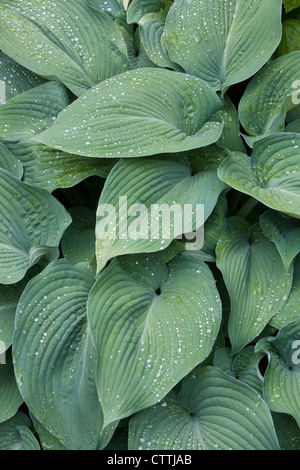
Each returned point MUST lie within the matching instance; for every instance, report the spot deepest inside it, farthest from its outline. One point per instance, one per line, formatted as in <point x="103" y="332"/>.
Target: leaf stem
<point x="235" y="199"/>
<point x="247" y="208"/>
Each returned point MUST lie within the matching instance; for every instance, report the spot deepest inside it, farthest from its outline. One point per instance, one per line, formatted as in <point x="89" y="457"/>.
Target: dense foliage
<point x="112" y="337"/>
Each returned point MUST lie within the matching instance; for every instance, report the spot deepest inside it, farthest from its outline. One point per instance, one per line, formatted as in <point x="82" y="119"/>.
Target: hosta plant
<point x="150" y="225"/>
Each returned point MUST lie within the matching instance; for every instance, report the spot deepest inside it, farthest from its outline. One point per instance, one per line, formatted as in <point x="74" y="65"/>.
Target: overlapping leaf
<point x="63" y="40"/>
<point x="293" y="126"/>
<point x="291" y="4"/>
<point x="16" y="434"/>
<point x="141" y="10"/>
<point x="9" y="162"/>
<point x="31" y="226"/>
<point x="255" y="277"/>
<point x="10" y="397"/>
<point x="223" y="359"/>
<point x="290" y="41"/>
<point x="282" y="378"/>
<point x="150" y="17"/>
<point x="146" y="203"/>
<point x="16" y="78"/>
<point x="50" y="169"/>
<point x="290" y="311"/>
<point x="78" y="242"/>
<point x="213" y="411"/>
<point x="106" y="6"/>
<point x="214" y="227"/>
<point x="54" y="357"/>
<point x="32" y="112"/>
<point x="137" y="54"/>
<point x="141" y="112"/>
<point x="47" y="440"/>
<point x="269" y="96"/>
<point x="271" y="175"/>
<point x="287" y="430"/>
<point x="245" y="367"/>
<point x="223" y="42"/>
<point x="284" y="232"/>
<point x="151" y="324"/>
<point x="231" y="137"/>
<point x="294" y="113"/>
<point x="9" y="298"/>
<point x="131" y="334"/>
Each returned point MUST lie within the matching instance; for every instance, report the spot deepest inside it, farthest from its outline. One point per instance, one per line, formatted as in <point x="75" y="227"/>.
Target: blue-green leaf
<point x="151" y="324"/>
<point x="271" y="93"/>
<point x="55" y="359"/>
<point x="32" y="112"/>
<point x="146" y="203"/>
<point x="78" y="243"/>
<point x="290" y="311"/>
<point x="141" y="112"/>
<point x="63" y="40"/>
<point x="255" y="277"/>
<point x="213" y="411"/>
<point x="10" y="397"/>
<point x="271" y="175"/>
<point x="16" y="434"/>
<point x="282" y="378"/>
<point x="32" y="223"/>
<point x="9" y="162"/>
<point x="51" y="169"/>
<point x="223" y="42"/>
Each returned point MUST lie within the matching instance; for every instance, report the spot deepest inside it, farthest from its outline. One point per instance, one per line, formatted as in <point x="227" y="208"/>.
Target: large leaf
<point x="141" y="112"/>
<point x="10" y="397"/>
<point x="271" y="175"/>
<point x="32" y="112"/>
<point x="151" y="324"/>
<point x="268" y="97"/>
<point x="212" y="412"/>
<point x="282" y="378"/>
<point x="290" y="311"/>
<point x="223" y="42"/>
<point x="140" y="196"/>
<point x="255" y="277"/>
<point x="31" y="226"/>
<point x="284" y="232"/>
<point x="16" y="434"/>
<point x="50" y="169"/>
<point x="54" y="357"/>
<point x="17" y="79"/>
<point x="63" y="40"/>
